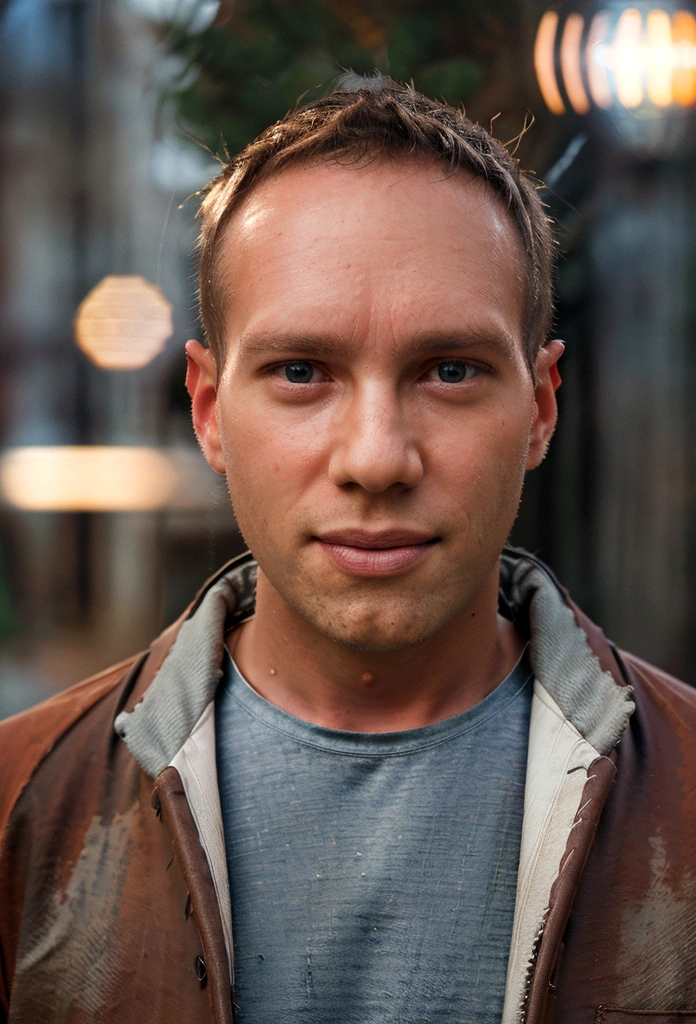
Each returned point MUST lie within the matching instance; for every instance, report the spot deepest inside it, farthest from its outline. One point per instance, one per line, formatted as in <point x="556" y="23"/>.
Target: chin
<point x="373" y="631"/>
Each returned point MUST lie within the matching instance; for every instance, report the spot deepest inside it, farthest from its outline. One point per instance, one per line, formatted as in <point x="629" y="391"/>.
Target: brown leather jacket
<point x="114" y="899"/>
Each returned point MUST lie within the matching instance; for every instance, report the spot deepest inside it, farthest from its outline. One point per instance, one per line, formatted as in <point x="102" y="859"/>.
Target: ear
<point x="548" y="381"/>
<point x="201" y="384"/>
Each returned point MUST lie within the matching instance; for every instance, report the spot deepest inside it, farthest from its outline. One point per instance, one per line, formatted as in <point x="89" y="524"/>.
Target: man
<point x="360" y="779"/>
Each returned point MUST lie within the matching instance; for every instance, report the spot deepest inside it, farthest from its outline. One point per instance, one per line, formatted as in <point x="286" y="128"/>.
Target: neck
<point x="292" y="665"/>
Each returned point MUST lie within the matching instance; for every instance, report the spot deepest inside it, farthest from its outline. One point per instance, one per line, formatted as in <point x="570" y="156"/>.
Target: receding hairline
<point x="364" y="161"/>
<point x="382" y="120"/>
<point x="418" y="161"/>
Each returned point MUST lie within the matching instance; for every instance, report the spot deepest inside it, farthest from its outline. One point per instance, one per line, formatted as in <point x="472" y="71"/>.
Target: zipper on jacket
<point x="531" y="969"/>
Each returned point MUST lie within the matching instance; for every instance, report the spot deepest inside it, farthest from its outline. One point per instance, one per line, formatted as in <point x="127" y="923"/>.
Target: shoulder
<point x="665" y="708"/>
<point x="660" y="693"/>
<point x="26" y="739"/>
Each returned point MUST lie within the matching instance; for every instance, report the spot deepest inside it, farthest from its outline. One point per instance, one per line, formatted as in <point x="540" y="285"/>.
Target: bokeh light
<point x="123" y="323"/>
<point x="87" y="479"/>
<point x="632" y="58"/>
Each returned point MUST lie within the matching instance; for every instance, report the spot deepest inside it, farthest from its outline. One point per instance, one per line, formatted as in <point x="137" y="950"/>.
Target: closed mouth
<point x="383" y="553"/>
<point x="377" y="540"/>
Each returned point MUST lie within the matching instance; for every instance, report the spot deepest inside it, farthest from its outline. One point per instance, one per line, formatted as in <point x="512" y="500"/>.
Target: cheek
<point x="484" y="439"/>
<point x="481" y="461"/>
<point x="271" y="460"/>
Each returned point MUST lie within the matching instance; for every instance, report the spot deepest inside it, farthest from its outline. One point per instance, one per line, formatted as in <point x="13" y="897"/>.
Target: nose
<point x="374" y="446"/>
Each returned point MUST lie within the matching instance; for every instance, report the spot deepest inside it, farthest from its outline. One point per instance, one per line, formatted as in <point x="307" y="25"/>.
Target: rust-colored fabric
<point x="616" y="1015"/>
<point x="26" y="739"/>
<point x="213" y="969"/>
<point x="600" y="778"/>
<point x="94" y="921"/>
<point x="630" y="940"/>
<point x="108" y="913"/>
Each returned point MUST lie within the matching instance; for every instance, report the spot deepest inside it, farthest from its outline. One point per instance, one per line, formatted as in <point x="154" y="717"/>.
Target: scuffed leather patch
<point x="615" y="1015"/>
<point x="74" y="942"/>
<point x="662" y="918"/>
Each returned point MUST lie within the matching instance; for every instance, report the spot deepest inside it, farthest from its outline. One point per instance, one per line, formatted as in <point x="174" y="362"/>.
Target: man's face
<point x="373" y="413"/>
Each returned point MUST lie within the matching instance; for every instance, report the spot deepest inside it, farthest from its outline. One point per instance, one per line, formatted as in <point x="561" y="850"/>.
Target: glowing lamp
<point x="641" y="60"/>
<point x="87" y="479"/>
<point x="123" y="323"/>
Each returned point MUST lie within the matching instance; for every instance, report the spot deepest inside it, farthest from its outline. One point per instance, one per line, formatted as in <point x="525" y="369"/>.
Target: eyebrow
<point x="321" y="346"/>
<point x="284" y="344"/>
<point x="453" y="341"/>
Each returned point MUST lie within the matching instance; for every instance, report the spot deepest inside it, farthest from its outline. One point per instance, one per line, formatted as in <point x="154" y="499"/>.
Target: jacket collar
<point x="596" y="701"/>
<point x="182" y="679"/>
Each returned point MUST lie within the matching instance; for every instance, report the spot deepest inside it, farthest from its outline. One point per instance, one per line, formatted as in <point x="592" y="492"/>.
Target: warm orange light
<point x="636" y="60"/>
<point x="626" y="59"/>
<point x="123" y="323"/>
<point x="659" y="58"/>
<point x="86" y="479"/>
<point x="684" y="41"/>
<point x="544" y="62"/>
<point x="570" y="63"/>
<point x="596" y="55"/>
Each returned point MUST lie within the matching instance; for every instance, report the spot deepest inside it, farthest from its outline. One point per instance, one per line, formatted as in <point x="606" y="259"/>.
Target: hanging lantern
<point x="638" y="59"/>
<point x="123" y="323"/>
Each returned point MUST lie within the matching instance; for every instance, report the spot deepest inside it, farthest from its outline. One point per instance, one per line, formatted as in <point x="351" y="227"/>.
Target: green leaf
<point x="455" y="79"/>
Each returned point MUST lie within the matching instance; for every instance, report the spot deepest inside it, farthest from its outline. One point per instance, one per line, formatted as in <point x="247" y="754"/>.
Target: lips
<point x="376" y="553"/>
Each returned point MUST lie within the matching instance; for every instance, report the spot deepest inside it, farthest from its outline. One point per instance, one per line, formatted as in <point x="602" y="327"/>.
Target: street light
<point x="640" y="59"/>
<point x="123" y="323"/>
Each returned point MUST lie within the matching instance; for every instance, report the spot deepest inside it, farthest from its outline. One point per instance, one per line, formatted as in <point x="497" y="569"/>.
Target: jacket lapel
<point x="169" y="799"/>
<point x="197" y="769"/>
<point x="561" y="792"/>
<point x="539" y="1002"/>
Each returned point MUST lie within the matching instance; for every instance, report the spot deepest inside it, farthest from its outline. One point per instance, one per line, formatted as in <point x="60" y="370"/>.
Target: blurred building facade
<point x="617" y="516"/>
<point x="91" y="184"/>
<point x="612" y="508"/>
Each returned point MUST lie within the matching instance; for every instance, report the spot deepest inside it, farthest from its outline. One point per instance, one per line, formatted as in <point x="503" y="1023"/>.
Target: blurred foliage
<point x="260" y="56"/>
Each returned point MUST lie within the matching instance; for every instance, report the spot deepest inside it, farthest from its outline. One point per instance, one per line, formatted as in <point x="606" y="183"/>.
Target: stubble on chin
<point x="377" y="615"/>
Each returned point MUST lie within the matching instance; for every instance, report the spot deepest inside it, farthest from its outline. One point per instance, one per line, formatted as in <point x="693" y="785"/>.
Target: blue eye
<point x="452" y="372"/>
<point x="300" y="372"/>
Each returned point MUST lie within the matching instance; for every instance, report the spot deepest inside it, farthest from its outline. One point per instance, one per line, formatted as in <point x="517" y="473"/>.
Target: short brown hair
<point x="379" y="117"/>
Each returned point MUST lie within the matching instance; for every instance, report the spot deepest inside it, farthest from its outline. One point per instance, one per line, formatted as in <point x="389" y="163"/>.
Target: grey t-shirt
<point x="372" y="876"/>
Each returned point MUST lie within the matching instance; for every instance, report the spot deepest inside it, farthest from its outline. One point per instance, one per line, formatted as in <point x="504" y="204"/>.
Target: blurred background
<point x="112" y="114"/>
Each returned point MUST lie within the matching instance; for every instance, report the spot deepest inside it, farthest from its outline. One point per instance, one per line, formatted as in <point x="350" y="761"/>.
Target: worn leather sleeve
<point x="27" y="738"/>
<point x="25" y="741"/>
<point x="95" y="921"/>
<point x="629" y="942"/>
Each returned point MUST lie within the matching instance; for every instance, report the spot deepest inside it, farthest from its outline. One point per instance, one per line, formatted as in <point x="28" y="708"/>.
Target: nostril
<point x="377" y="470"/>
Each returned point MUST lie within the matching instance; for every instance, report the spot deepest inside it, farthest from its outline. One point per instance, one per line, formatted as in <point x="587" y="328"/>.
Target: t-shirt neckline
<point x="339" y="741"/>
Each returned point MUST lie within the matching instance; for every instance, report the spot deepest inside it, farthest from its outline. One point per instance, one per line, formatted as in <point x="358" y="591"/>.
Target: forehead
<point x="383" y="245"/>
